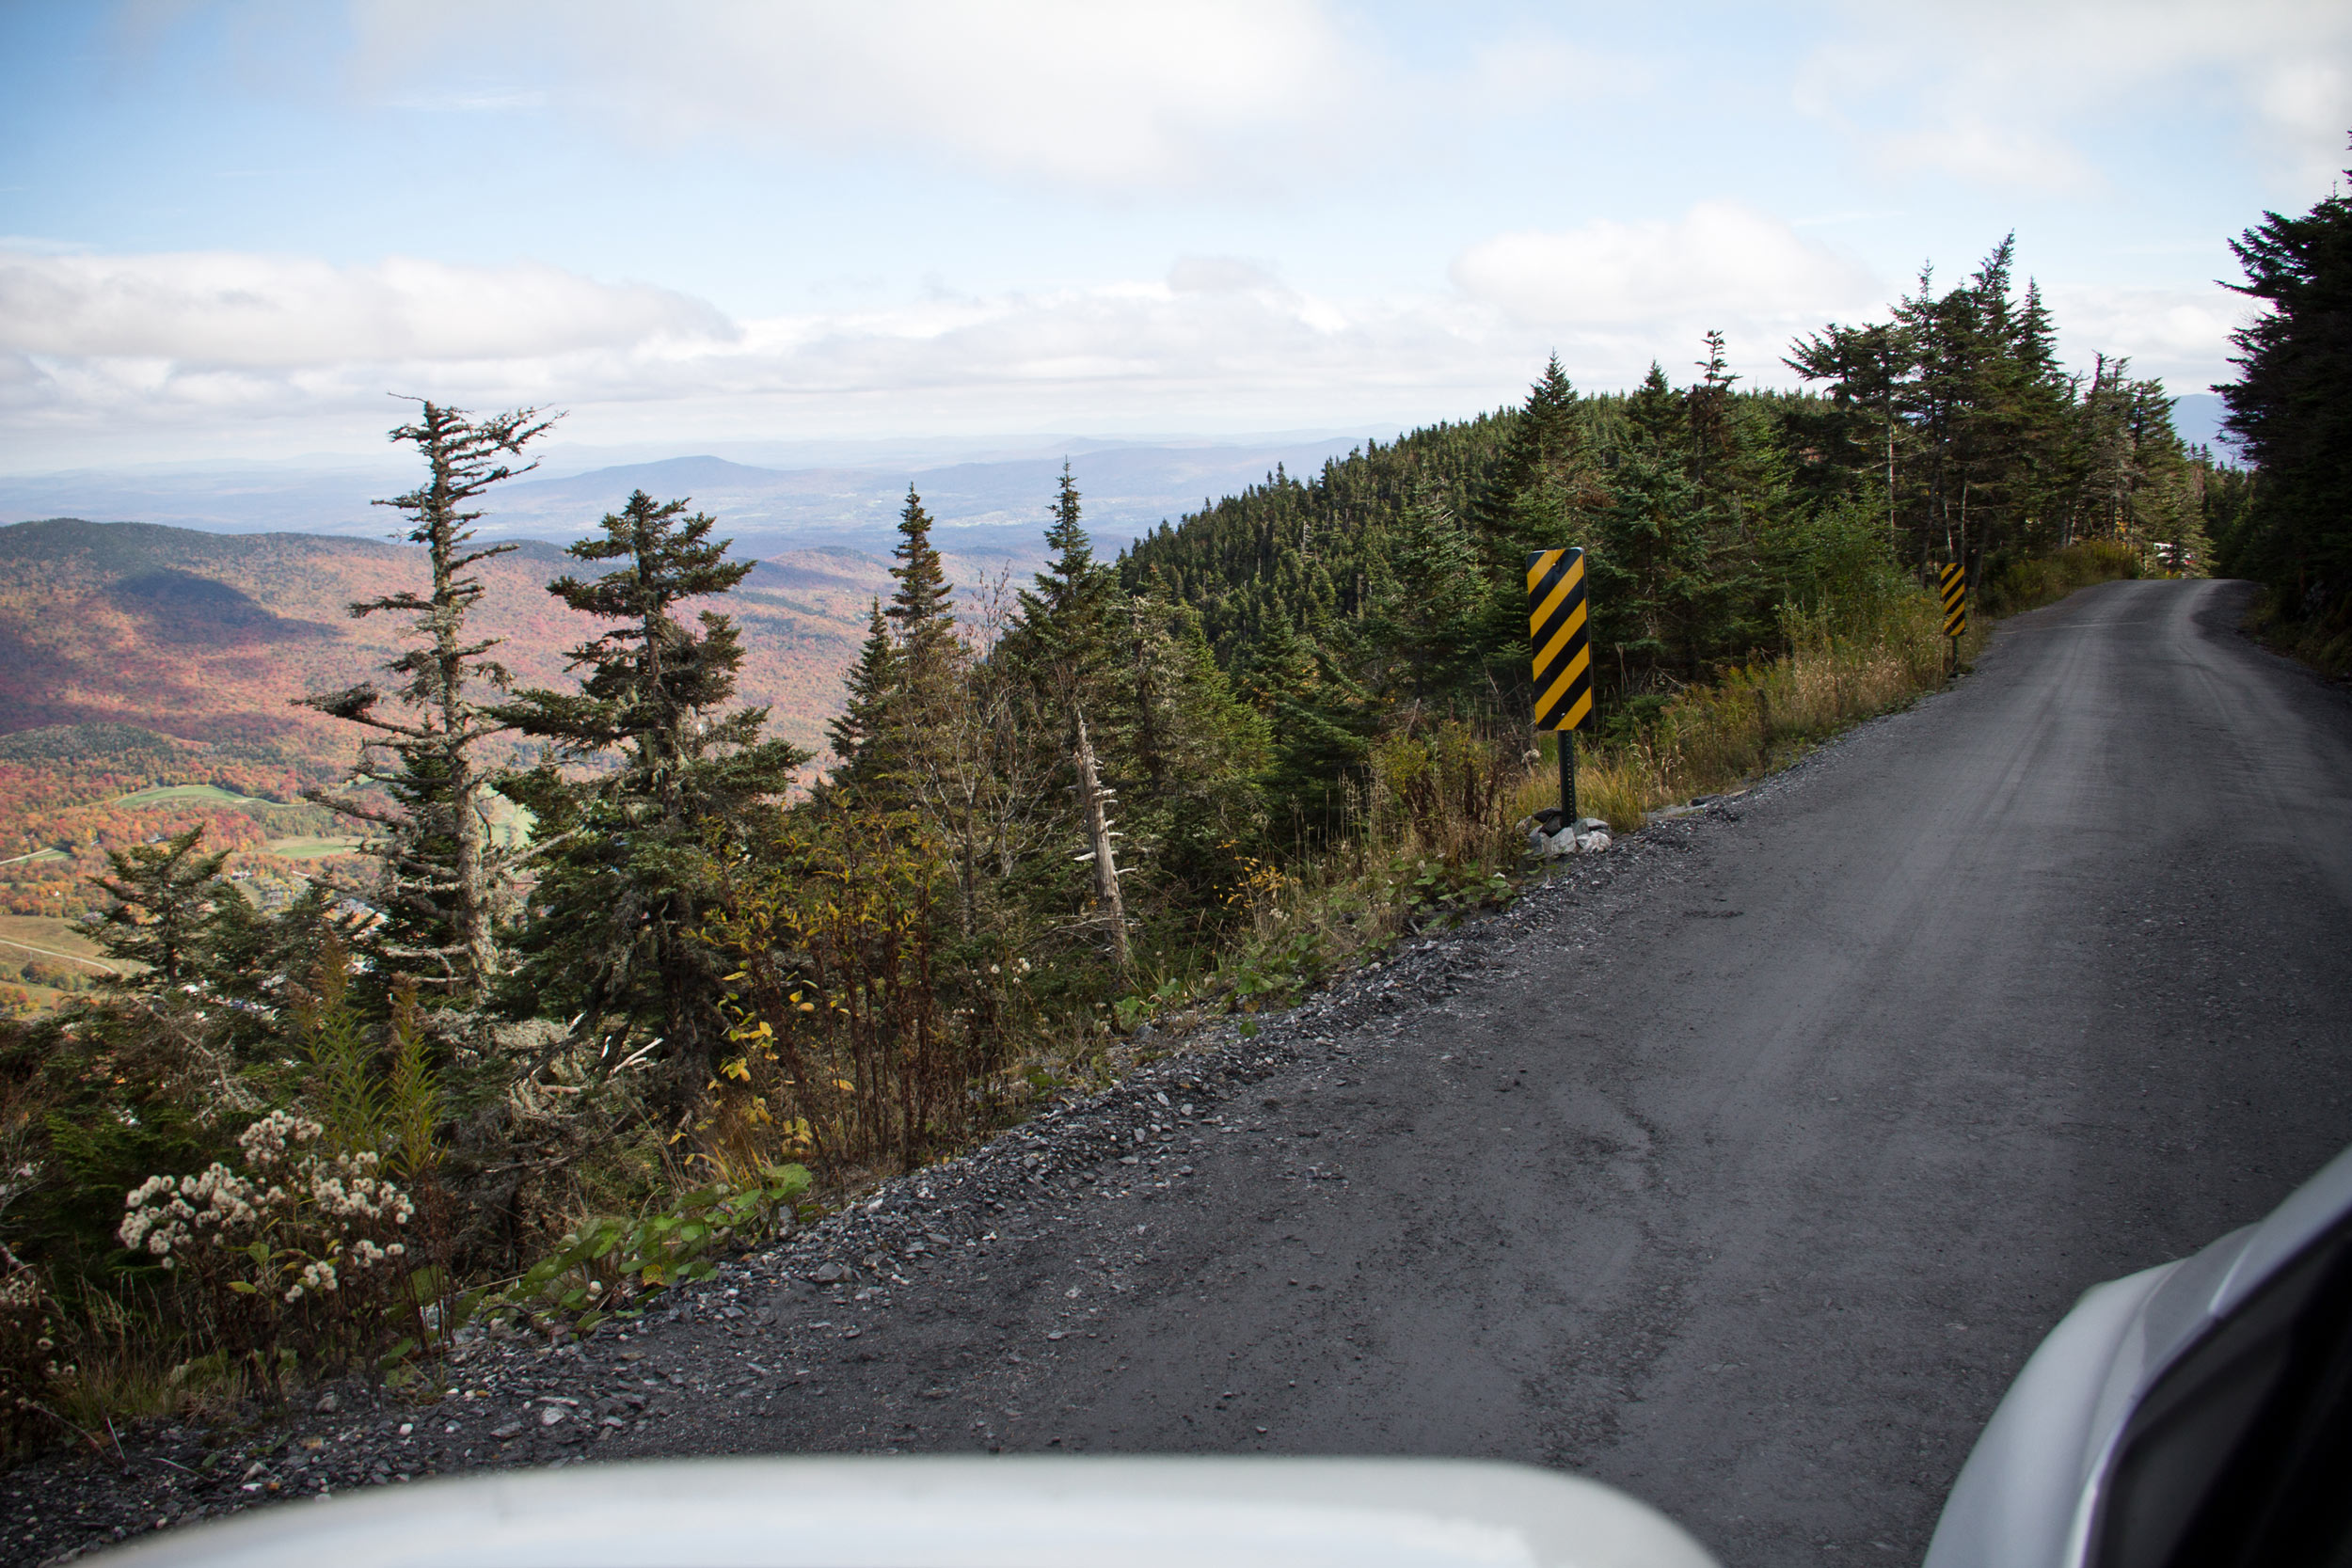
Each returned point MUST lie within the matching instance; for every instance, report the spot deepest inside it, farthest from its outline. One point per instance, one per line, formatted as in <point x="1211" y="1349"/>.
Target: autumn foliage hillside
<point x="211" y="636"/>
<point x="133" y="656"/>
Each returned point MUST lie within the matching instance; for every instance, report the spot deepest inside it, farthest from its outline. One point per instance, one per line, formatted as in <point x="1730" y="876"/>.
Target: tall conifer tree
<point x="630" y="878"/>
<point x="444" y="882"/>
<point x="2290" y="410"/>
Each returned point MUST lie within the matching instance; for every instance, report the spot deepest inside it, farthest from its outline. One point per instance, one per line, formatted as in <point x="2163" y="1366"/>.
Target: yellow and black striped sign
<point x="1563" y="646"/>
<point x="1955" y="584"/>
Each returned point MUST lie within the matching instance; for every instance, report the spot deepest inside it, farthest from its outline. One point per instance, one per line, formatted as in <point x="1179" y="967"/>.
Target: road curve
<point x="1750" y="1188"/>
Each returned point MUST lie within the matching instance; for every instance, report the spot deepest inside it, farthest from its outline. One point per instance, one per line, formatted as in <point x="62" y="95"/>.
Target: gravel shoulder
<point x="1739" y="1167"/>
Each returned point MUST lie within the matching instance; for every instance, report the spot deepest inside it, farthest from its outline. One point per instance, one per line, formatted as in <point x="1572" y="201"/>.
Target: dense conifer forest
<point x="2293" y="530"/>
<point x="532" y="1079"/>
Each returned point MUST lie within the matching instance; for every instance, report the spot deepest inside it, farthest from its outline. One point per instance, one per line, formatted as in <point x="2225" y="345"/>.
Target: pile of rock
<point x="1550" y="836"/>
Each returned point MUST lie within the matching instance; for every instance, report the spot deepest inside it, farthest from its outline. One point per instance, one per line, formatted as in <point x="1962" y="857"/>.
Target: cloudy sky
<point x="227" y="231"/>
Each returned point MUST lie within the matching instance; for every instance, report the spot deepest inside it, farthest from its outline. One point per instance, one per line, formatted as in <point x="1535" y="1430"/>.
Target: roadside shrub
<point x="2036" y="580"/>
<point x="299" y="1261"/>
<point x="29" y="1365"/>
<point x="845" y="1047"/>
<point x="1870" y="657"/>
<point x="1442" y="786"/>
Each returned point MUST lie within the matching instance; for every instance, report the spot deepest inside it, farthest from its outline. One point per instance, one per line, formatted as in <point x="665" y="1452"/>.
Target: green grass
<point x="309" y="849"/>
<point x="173" y="795"/>
<point x="48" y="932"/>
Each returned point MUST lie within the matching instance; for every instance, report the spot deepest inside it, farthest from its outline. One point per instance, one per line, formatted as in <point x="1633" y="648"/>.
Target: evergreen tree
<point x="1710" y="414"/>
<point x="1545" y="437"/>
<point x="1645" y="561"/>
<point x="629" y="872"/>
<point x="444" y="883"/>
<point x="1061" y="614"/>
<point x="1182" y="749"/>
<point x="928" y="657"/>
<point x="1321" y="721"/>
<point x="1060" y="639"/>
<point x="1868" y="369"/>
<point x="859" y="733"/>
<point x="1426" y="607"/>
<point x="1976" y="442"/>
<point x="2292" y="415"/>
<point x="922" y="608"/>
<point x="904" y="680"/>
<point x="168" y="897"/>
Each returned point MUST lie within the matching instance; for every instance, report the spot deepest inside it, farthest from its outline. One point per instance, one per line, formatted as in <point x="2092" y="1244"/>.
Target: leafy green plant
<point x="1142" y="1006"/>
<point x="609" y="1262"/>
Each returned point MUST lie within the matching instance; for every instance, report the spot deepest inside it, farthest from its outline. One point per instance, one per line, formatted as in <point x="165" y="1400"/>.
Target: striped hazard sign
<point x="1563" y="646"/>
<point x="1954" y="581"/>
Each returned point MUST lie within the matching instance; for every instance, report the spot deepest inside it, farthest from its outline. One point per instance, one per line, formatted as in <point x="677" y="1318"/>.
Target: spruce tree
<point x="1060" y="639"/>
<point x="1182" y="749"/>
<point x="1321" y="721"/>
<point x="859" y="733"/>
<point x="166" y="896"/>
<point x="630" y="875"/>
<point x="905" y="679"/>
<point x="928" y="658"/>
<point x="1425" y="614"/>
<point x="1061" y="613"/>
<point x="922" y="607"/>
<point x="1547" y="437"/>
<point x="2292" y="415"/>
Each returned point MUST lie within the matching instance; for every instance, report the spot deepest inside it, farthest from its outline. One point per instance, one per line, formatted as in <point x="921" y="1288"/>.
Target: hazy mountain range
<point x="987" y="500"/>
<point x="988" y="496"/>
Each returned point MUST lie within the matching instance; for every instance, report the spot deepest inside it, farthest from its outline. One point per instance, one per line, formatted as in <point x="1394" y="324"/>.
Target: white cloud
<point x="1066" y="90"/>
<point x="1625" y="290"/>
<point x="2181" y="335"/>
<point x="231" y="309"/>
<point x="1213" y="274"/>
<point x="1999" y="156"/>
<point x="1999" y="92"/>
<point x="103" y="357"/>
<point x="148" y="353"/>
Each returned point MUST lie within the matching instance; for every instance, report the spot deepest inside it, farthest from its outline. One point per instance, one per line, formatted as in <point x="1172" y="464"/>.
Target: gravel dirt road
<point x="1742" y="1168"/>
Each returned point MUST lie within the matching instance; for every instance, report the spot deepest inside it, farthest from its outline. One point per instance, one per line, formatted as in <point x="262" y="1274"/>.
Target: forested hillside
<point x="1388" y="590"/>
<point x="209" y="638"/>
<point x="133" y="656"/>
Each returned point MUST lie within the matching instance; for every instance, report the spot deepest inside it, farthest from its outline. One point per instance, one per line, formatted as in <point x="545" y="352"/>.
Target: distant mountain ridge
<point x="993" y="505"/>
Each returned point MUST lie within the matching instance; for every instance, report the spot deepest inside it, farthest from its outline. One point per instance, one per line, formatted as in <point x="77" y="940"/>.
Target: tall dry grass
<point x="1760" y="717"/>
<point x="2024" y="585"/>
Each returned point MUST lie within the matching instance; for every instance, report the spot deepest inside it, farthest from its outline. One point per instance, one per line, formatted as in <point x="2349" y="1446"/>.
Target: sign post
<point x="1563" y="658"/>
<point x="1953" y="579"/>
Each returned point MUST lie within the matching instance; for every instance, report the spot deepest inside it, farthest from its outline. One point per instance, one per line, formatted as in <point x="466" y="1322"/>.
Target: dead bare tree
<point x="443" y="882"/>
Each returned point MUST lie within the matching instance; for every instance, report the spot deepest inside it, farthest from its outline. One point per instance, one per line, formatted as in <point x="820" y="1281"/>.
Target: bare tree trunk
<point x="1892" y="537"/>
<point x="1090" y="791"/>
<point x="460" y="730"/>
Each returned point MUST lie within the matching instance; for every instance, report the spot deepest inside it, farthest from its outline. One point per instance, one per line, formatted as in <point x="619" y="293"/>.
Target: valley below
<point x="150" y="678"/>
